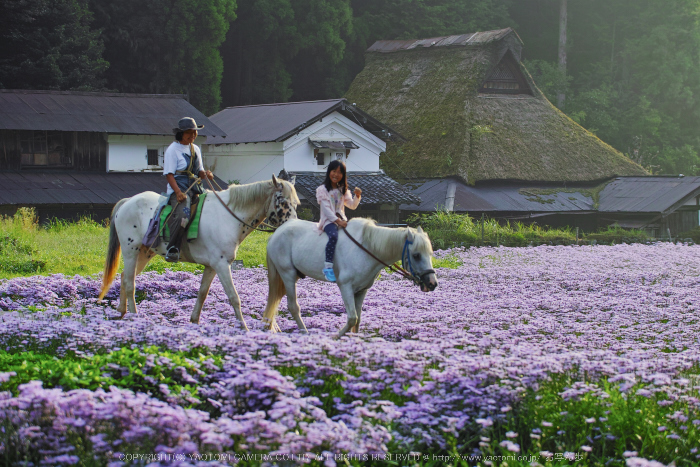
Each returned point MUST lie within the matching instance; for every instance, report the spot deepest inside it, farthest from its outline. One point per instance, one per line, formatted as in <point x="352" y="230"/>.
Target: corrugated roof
<point x="277" y="122"/>
<point x="33" y="189"/>
<point x="500" y="198"/>
<point x="648" y="194"/>
<point x="377" y="188"/>
<point x="138" y="114"/>
<point x="472" y="38"/>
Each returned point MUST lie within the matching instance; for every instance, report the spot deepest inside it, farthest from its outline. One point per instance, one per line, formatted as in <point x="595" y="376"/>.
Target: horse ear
<point x="275" y="182"/>
<point x="419" y="229"/>
<point x="409" y="235"/>
<point x="293" y="180"/>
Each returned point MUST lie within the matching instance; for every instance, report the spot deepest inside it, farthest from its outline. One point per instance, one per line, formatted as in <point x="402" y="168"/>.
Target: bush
<point x="448" y="230"/>
<point x="617" y="234"/>
<point x="16" y="251"/>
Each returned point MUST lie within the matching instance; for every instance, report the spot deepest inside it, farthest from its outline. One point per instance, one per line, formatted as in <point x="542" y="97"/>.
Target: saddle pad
<point x="192" y="230"/>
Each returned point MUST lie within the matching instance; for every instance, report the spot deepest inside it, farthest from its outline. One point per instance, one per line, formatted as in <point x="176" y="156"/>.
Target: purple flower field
<point x="452" y="371"/>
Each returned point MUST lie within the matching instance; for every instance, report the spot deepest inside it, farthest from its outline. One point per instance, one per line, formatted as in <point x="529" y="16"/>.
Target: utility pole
<point x="561" y="97"/>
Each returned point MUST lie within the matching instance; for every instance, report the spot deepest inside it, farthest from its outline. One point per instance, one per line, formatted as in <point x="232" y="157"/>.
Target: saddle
<point x="159" y="227"/>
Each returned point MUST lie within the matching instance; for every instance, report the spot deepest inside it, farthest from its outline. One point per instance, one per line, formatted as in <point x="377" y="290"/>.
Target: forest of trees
<point x="631" y="75"/>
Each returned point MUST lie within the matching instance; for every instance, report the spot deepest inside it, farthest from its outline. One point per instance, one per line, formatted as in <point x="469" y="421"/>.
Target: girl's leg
<point x="332" y="231"/>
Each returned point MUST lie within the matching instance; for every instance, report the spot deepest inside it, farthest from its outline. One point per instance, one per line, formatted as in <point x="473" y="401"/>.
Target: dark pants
<point x="332" y="231"/>
<point x="180" y="211"/>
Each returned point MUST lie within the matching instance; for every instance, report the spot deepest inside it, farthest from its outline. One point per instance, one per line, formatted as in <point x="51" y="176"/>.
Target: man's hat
<point x="187" y="123"/>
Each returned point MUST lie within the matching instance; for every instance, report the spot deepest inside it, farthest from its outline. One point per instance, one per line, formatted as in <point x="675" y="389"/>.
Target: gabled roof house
<point x="298" y="140"/>
<point x="77" y="153"/>
<point x="481" y="136"/>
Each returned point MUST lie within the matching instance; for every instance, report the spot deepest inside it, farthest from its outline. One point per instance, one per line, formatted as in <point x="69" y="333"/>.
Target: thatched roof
<point x="435" y="93"/>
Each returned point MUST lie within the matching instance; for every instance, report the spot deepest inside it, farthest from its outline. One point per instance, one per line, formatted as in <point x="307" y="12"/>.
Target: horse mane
<point x="258" y="192"/>
<point x="377" y="238"/>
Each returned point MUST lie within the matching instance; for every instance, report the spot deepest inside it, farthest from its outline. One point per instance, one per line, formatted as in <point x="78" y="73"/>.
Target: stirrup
<point x="173" y="255"/>
<point x="330" y="275"/>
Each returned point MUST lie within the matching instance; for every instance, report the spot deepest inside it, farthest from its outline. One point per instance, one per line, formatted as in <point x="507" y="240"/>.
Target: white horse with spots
<point x="297" y="250"/>
<point x="220" y="234"/>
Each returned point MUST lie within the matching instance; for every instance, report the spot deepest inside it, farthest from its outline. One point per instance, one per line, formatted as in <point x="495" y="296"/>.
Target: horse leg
<point x="127" y="299"/>
<point x="144" y="257"/>
<point x="224" y="273"/>
<point x="293" y="304"/>
<point x="207" y="277"/>
<point x="349" y="301"/>
<point x="359" y="300"/>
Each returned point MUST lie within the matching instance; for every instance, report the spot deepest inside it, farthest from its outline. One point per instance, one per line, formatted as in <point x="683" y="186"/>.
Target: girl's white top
<point x="174" y="160"/>
<point x="332" y="203"/>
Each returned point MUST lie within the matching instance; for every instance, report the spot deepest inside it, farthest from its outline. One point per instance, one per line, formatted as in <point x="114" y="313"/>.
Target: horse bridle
<point x="270" y="228"/>
<point x="417" y="279"/>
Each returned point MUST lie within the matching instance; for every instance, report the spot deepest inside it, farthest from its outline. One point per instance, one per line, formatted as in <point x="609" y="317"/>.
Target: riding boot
<point x="172" y="254"/>
<point x="173" y="251"/>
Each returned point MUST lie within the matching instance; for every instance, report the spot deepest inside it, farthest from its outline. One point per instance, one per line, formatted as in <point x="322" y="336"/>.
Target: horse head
<point x="283" y="203"/>
<point x="417" y="258"/>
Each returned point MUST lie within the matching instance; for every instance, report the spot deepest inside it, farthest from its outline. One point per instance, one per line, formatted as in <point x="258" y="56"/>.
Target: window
<point x="152" y="156"/>
<point x="339" y="156"/>
<point x="320" y="158"/>
<point x="506" y="79"/>
<point x="43" y="149"/>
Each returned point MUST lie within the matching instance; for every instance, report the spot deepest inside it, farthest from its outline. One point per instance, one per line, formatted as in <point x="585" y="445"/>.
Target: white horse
<point x="297" y="250"/>
<point x="220" y="234"/>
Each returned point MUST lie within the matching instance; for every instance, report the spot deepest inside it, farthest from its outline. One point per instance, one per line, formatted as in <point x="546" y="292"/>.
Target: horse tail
<point x="114" y="253"/>
<point x="275" y="294"/>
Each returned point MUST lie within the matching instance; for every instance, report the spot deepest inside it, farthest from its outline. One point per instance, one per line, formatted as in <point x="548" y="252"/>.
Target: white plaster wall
<point x="127" y="153"/>
<point x="244" y="163"/>
<point x="254" y="162"/>
<point x="299" y="154"/>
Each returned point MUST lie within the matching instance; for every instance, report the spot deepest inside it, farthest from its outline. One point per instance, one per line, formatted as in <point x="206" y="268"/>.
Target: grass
<point x="61" y="247"/>
<point x="70" y="248"/>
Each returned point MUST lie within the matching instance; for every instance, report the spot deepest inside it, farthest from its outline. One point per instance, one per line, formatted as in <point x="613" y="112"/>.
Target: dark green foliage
<point x="277" y="48"/>
<point x="633" y="73"/>
<point x="166" y="47"/>
<point x="48" y="44"/>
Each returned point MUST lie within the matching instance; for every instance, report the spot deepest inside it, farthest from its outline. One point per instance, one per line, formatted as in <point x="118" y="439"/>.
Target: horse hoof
<point x="115" y="318"/>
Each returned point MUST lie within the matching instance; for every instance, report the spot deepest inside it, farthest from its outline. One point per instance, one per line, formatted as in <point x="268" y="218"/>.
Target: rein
<point x="394" y="267"/>
<point x="270" y="227"/>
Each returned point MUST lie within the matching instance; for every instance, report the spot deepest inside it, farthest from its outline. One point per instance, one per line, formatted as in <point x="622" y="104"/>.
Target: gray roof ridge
<point x="497" y="34"/>
<point x="275" y="104"/>
<point x="91" y="93"/>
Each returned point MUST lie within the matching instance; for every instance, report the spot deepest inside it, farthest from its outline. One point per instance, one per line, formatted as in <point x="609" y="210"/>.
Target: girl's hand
<point x="358" y="192"/>
<point x="341" y="223"/>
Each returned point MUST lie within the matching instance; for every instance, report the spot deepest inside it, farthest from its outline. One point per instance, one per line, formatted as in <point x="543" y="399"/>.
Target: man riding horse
<point x="182" y="163"/>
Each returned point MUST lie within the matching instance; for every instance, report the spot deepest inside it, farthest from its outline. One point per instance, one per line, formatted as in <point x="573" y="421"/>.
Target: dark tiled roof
<point x="648" y="194"/>
<point x="653" y="194"/>
<point x="501" y="198"/>
<point x="33" y="189"/>
<point x="137" y="114"/>
<point x="277" y="122"/>
<point x="377" y="188"/>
